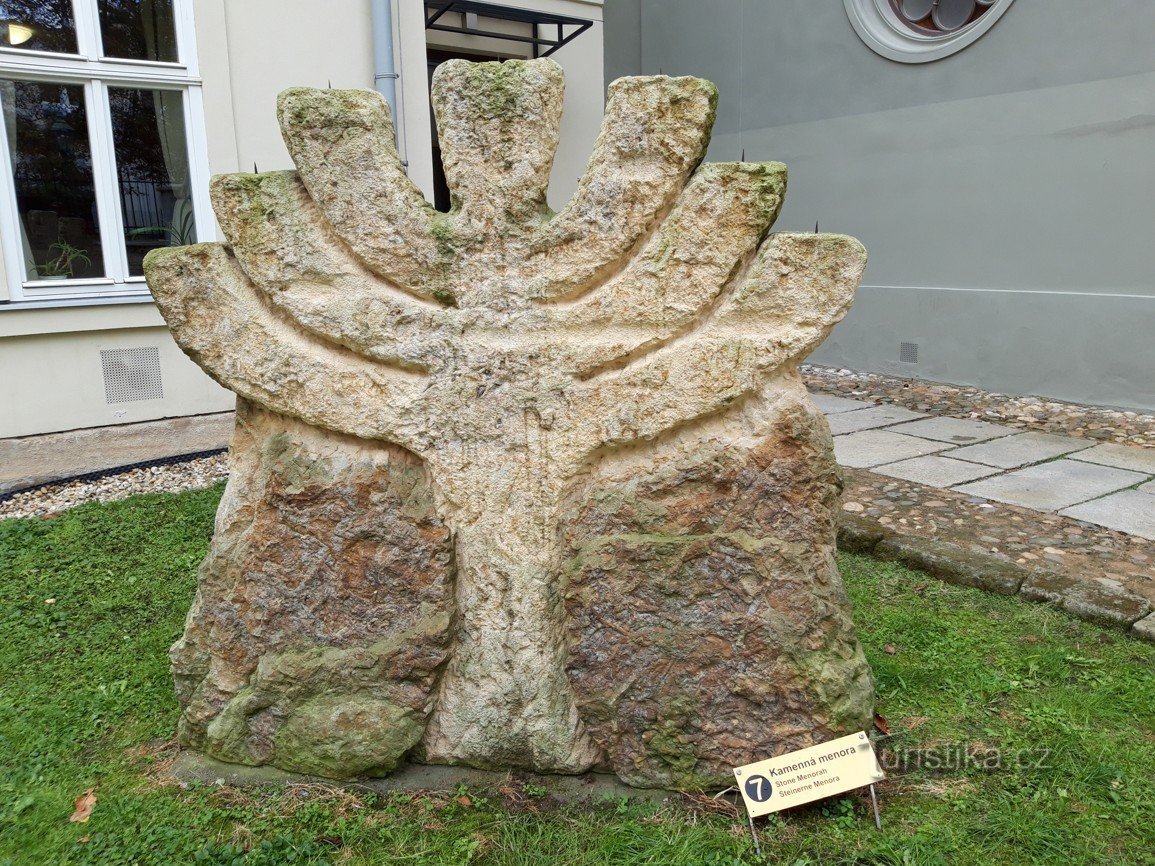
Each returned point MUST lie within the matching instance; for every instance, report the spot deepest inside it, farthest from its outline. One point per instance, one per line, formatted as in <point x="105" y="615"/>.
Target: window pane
<point x="138" y="29"/>
<point x="47" y="129"/>
<point x="148" y="135"/>
<point x="38" y="25"/>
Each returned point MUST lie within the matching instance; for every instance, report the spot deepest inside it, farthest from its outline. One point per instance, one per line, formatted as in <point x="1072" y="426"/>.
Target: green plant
<point x="181" y="232"/>
<point x="62" y="264"/>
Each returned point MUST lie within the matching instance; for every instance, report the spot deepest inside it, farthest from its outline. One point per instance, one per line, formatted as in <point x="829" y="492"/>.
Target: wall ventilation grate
<point x="908" y="353"/>
<point x="131" y="374"/>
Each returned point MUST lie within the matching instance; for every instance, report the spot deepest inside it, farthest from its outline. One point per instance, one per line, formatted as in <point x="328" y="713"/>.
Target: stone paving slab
<point x="1128" y="511"/>
<point x="1053" y="486"/>
<point x="869" y="448"/>
<point x="958" y="431"/>
<point x="1121" y="457"/>
<point x="835" y="405"/>
<point x="1011" y="452"/>
<point x="1149" y="487"/>
<point x="937" y="471"/>
<point x="867" y="419"/>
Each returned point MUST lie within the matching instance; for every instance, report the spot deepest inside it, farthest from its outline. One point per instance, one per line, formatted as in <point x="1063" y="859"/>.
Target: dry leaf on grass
<point x="83" y="804"/>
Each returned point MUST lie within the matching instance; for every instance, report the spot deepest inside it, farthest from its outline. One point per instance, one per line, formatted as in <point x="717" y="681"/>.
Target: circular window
<point x="918" y="31"/>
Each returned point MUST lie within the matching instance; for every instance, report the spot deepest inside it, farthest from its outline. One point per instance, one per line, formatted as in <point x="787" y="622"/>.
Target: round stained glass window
<point x="934" y="17"/>
<point x="919" y="31"/>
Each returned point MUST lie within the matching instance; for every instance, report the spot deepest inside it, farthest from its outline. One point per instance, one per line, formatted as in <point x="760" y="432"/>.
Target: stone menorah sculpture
<point x="509" y="488"/>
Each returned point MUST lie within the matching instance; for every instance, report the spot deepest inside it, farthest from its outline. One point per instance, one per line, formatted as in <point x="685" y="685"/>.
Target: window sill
<point x="43" y="317"/>
<point x="55" y="303"/>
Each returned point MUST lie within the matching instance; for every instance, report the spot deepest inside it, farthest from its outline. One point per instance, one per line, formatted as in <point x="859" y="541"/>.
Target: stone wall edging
<point x="1088" y="600"/>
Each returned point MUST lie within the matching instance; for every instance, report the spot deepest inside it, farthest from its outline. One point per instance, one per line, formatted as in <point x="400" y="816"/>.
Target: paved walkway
<point x="1106" y="484"/>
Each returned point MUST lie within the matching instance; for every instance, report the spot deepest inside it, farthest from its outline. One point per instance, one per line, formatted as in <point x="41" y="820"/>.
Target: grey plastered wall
<point x="1006" y="193"/>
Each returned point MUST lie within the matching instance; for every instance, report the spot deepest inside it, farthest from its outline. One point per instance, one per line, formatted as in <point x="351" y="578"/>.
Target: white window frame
<point x="96" y="73"/>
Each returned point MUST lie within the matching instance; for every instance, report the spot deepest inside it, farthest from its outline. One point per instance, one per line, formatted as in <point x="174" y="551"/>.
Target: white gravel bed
<point x="54" y="498"/>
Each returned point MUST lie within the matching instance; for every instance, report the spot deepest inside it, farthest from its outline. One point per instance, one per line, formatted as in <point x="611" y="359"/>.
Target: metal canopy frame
<point x="470" y="10"/>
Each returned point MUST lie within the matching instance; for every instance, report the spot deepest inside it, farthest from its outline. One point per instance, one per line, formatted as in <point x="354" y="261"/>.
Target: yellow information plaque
<point x="808" y="774"/>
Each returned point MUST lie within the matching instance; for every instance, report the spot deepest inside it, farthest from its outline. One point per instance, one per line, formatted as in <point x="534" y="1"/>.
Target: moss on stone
<point x="498" y="87"/>
<point x="341" y="736"/>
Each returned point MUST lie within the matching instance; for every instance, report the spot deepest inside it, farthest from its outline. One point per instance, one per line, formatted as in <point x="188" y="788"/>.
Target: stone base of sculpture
<point x="706" y="621"/>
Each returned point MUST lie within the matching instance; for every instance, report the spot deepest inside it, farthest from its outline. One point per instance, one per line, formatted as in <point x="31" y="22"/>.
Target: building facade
<point x="117" y="113"/>
<point x="997" y="158"/>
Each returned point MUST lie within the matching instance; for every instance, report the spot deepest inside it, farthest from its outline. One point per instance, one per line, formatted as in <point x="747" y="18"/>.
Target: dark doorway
<point x="436" y="57"/>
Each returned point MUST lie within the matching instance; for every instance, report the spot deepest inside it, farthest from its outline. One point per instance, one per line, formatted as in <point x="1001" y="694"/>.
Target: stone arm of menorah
<point x="227" y="327"/>
<point x="798" y="288"/>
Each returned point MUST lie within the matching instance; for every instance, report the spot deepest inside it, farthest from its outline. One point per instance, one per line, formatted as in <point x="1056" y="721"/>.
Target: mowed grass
<point x="1018" y="735"/>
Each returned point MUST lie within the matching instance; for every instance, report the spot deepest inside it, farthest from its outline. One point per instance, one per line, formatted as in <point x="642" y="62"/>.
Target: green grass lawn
<point x="91" y="600"/>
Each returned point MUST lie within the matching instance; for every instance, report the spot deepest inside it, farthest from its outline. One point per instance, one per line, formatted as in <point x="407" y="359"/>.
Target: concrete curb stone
<point x="1144" y="629"/>
<point x="953" y="564"/>
<point x="1090" y="600"/>
<point x="1087" y="599"/>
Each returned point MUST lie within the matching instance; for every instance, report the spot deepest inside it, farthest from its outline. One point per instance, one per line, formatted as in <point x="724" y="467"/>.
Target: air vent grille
<point x="131" y="374"/>
<point x="908" y="353"/>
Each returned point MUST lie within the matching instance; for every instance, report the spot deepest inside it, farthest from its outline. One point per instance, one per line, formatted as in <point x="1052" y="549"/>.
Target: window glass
<point x="38" y="25"/>
<point x="138" y="29"/>
<point x="148" y="135"/>
<point x="47" y="129"/>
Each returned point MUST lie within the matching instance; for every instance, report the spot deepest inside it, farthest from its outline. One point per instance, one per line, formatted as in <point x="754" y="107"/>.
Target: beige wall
<point x="250" y="50"/>
<point x="55" y="381"/>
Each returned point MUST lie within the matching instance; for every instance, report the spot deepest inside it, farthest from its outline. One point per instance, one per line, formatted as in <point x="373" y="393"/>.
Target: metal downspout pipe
<point x="384" y="68"/>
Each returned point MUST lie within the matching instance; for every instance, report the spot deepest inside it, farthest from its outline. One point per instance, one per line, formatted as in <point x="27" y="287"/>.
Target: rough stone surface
<point x="859" y="534"/>
<point x="706" y="626"/>
<point x="511" y="355"/>
<point x="1144" y="629"/>
<point x="1096" y="601"/>
<point x="322" y="614"/>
